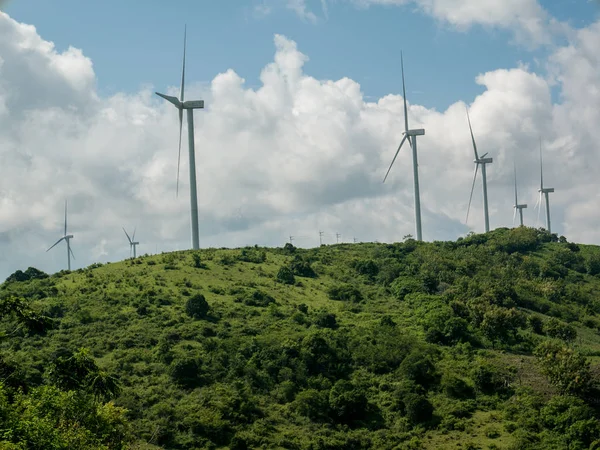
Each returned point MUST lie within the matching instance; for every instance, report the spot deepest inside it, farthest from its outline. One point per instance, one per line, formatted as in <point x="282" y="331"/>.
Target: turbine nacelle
<point x="523" y="206"/>
<point x="189" y="104"/>
<point x="483" y="161"/>
<point x="68" y="236"/>
<point x="546" y="190"/>
<point x="417" y="132"/>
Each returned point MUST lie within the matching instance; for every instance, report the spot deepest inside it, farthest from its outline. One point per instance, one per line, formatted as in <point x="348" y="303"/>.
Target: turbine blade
<point x="393" y="160"/>
<point x="472" y="188"/>
<point x="179" y="151"/>
<point x="65" y="218"/>
<point x="133" y="236"/>
<point x="171" y="99"/>
<point x="472" y="137"/>
<point x="514" y="215"/>
<point x="71" y="252"/>
<point x="404" y="95"/>
<point x="181" y="92"/>
<point x="55" y="244"/>
<point x="128" y="238"/>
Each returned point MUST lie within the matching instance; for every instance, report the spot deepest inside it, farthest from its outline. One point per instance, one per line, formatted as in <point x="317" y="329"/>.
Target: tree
<point x="285" y="276"/>
<point x="197" y="306"/>
<point x="565" y="368"/>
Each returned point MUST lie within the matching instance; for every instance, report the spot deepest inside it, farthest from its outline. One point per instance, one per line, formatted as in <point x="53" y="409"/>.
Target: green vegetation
<point x="489" y="342"/>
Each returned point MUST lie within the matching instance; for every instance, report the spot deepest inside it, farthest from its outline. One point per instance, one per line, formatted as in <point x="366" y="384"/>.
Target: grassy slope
<point x="121" y="311"/>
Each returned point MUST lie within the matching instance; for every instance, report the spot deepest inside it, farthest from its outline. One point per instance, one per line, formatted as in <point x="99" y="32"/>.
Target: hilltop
<point x="491" y="342"/>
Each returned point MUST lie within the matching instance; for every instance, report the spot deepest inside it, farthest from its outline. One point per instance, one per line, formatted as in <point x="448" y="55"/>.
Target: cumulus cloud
<point x="293" y="157"/>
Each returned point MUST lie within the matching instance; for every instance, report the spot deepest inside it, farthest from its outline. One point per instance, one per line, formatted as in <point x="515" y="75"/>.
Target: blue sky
<point x="132" y="43"/>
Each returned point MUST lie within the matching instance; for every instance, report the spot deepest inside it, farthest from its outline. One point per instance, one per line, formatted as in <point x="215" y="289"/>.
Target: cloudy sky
<point x="303" y="116"/>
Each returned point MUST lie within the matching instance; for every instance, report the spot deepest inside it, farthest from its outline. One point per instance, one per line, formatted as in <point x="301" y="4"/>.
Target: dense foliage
<point x="492" y="341"/>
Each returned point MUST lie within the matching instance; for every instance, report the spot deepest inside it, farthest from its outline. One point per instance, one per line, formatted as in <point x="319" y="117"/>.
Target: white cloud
<point x="530" y="22"/>
<point x="295" y="156"/>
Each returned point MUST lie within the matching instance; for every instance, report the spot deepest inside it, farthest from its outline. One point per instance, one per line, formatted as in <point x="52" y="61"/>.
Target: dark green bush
<point x="285" y="275"/>
<point x="197" y="306"/>
<point x="556" y="329"/>
<point x="346" y="292"/>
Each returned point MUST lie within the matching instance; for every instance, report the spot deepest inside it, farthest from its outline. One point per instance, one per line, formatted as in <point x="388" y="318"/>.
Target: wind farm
<point x="299" y="289"/>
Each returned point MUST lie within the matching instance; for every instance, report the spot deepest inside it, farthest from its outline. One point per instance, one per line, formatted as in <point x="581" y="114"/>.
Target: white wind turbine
<point x="132" y="242"/>
<point x="66" y="237"/>
<point x="479" y="161"/>
<point x="408" y="134"/>
<point x="544" y="191"/>
<point x="516" y="206"/>
<point x="189" y="106"/>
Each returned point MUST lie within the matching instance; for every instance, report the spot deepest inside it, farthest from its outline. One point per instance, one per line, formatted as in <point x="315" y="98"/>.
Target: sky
<point x="304" y="112"/>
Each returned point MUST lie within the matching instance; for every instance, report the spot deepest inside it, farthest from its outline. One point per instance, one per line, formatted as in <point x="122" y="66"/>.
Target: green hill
<point x="489" y="342"/>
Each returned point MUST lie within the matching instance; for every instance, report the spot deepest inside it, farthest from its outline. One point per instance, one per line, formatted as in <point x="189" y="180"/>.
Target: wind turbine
<point x="132" y="242"/>
<point x="479" y="161"/>
<point x="66" y="237"/>
<point x="189" y="106"/>
<point x="517" y="207"/>
<point x="408" y="134"/>
<point x="545" y="192"/>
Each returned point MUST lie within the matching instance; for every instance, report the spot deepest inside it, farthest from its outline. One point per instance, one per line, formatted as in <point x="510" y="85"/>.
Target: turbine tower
<point x="479" y="161"/>
<point x="189" y="106"/>
<point x="66" y="237"/>
<point x="517" y="207"/>
<point x="545" y="192"/>
<point x="132" y="242"/>
<point x="411" y="136"/>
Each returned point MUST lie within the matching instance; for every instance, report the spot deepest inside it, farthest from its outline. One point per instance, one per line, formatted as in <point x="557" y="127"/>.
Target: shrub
<point x="185" y="372"/>
<point x="345" y="292"/>
<point x="593" y="264"/>
<point x="456" y="387"/>
<point x="366" y="267"/>
<point x="565" y="368"/>
<point x="285" y="276"/>
<point x="313" y="404"/>
<point x="556" y="329"/>
<point x="197" y="306"/>
<point x="198" y="264"/>
<point x="325" y="319"/>
<point x="302" y="268"/>
<point x="535" y="323"/>
<point x="347" y="402"/>
<point x="256" y="298"/>
<point x="402" y="286"/>
<point x="417" y="408"/>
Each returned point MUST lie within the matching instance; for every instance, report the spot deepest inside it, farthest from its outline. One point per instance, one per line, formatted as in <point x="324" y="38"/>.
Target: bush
<point x="198" y="264"/>
<point x="347" y="402"/>
<point x="256" y="298"/>
<point x="325" y="319"/>
<point x="302" y="268"/>
<point x="593" y="264"/>
<point x="566" y="369"/>
<point x="185" y="372"/>
<point x="417" y="408"/>
<point x="535" y="323"/>
<point x="456" y="387"/>
<point x="313" y="404"/>
<point x="556" y="329"/>
<point x="285" y="276"/>
<point x="197" y="306"/>
<point x="345" y="292"/>
<point x="366" y="267"/>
